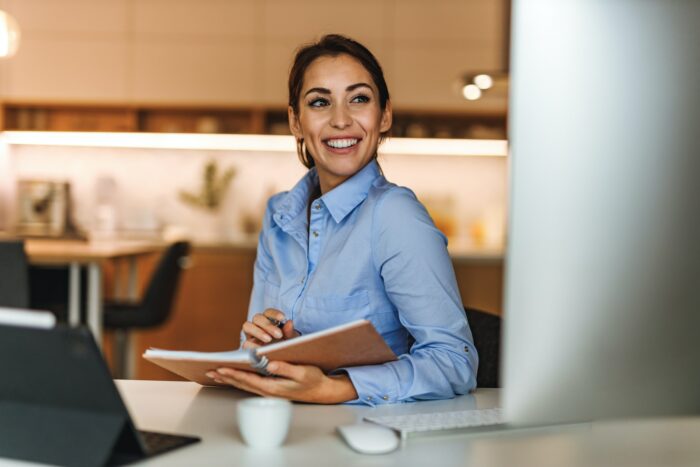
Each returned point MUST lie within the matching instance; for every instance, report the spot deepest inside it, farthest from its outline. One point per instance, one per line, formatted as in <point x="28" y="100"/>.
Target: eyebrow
<point x="350" y="88"/>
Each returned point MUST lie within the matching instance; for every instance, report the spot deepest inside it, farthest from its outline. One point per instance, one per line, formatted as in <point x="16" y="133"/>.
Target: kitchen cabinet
<point x="212" y="302"/>
<point x="199" y="118"/>
<point x="40" y="116"/>
<point x="481" y="284"/>
<point x="209" y="310"/>
<point x="238" y="52"/>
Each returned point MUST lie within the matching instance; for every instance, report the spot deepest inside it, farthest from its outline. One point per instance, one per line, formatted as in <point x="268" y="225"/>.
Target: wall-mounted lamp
<point x="9" y="35"/>
<point x="474" y="85"/>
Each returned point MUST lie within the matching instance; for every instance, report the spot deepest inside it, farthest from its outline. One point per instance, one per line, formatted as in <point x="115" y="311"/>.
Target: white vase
<point x="207" y="227"/>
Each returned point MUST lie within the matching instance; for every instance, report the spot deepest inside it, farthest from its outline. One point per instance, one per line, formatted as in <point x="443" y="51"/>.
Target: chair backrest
<point x="486" y="330"/>
<point x="14" y="275"/>
<point x="160" y="292"/>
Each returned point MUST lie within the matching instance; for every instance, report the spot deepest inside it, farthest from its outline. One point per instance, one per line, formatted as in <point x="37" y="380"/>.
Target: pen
<point x="279" y="323"/>
<point x="276" y="322"/>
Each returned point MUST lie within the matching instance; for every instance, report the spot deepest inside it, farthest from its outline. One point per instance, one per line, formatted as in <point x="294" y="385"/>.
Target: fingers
<point x="266" y="325"/>
<point x="288" y="330"/>
<point x="254" y="332"/>
<point x="251" y="343"/>
<point x="244" y="380"/>
<point x="284" y="369"/>
<point x="231" y="381"/>
<point x="261" y="329"/>
<point x="294" y="382"/>
<point x="274" y="314"/>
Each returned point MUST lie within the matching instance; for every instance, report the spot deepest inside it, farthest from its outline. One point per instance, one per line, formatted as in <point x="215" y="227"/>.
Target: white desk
<point x="210" y="413"/>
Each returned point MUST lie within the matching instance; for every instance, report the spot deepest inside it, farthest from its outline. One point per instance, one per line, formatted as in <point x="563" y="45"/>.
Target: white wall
<point x="239" y="51"/>
<point x="148" y="182"/>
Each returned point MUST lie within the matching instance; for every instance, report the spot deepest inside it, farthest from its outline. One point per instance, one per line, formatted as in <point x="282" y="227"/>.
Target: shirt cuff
<point x="375" y="384"/>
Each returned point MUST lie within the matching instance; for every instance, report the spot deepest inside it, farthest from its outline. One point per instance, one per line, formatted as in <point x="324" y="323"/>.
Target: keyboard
<point x="154" y="443"/>
<point x="157" y="443"/>
<point x="459" y="420"/>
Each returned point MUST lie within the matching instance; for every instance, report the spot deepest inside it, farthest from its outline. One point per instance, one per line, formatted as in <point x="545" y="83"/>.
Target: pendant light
<point x="473" y="85"/>
<point x="9" y="35"/>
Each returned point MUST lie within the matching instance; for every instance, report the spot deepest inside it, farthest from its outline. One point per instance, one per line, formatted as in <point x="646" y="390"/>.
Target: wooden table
<point x="91" y="254"/>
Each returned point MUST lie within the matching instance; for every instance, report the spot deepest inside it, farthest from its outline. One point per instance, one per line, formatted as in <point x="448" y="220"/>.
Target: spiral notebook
<point x="352" y="344"/>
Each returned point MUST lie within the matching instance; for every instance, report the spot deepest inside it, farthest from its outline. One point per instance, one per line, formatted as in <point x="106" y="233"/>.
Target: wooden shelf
<point x="40" y="116"/>
<point x="44" y="117"/>
<point x="422" y="124"/>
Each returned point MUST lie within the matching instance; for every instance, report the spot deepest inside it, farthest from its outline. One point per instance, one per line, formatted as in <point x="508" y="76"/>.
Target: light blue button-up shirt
<point x="369" y="250"/>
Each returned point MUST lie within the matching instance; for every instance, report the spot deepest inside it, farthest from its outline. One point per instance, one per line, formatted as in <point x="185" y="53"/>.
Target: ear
<point x="387" y="118"/>
<point x="294" y="124"/>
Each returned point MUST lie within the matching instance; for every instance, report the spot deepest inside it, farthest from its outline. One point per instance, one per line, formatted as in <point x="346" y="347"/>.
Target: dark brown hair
<point x="332" y="45"/>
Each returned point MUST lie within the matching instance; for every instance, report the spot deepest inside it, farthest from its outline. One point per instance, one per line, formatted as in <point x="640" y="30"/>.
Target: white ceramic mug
<point x="264" y="421"/>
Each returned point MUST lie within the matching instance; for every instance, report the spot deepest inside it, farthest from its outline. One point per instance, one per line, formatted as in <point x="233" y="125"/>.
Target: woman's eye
<point x="361" y="99"/>
<point x="320" y="102"/>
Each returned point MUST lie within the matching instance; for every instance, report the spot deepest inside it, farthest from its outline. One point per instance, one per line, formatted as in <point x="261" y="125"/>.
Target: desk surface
<point x="183" y="407"/>
<point x="67" y="251"/>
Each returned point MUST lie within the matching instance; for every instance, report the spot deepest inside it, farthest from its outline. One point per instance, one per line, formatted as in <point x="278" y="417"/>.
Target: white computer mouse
<point x="368" y="438"/>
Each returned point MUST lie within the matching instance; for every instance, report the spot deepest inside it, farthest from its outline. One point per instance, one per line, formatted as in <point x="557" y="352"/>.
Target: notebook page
<point x="241" y="356"/>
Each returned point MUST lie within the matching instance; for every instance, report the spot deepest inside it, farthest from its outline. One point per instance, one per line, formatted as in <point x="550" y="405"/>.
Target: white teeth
<point x="341" y="143"/>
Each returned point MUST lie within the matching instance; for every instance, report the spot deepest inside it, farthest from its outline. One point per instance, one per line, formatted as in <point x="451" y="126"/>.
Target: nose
<point x="340" y="117"/>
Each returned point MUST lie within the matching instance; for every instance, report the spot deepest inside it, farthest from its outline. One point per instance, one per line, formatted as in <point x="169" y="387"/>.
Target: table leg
<point x="118" y="282"/>
<point x="74" y="294"/>
<point x="94" y="305"/>
<point x="130" y="357"/>
<point x="133" y="279"/>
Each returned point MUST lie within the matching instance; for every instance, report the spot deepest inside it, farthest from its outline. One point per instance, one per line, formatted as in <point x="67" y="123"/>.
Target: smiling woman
<point x="364" y="64"/>
<point x="339" y="119"/>
<point x="346" y="244"/>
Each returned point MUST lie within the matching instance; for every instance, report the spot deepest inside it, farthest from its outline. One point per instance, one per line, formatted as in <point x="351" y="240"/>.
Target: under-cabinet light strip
<point x="268" y="143"/>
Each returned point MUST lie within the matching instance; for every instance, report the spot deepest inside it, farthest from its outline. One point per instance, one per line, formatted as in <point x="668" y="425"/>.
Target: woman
<point x="346" y="244"/>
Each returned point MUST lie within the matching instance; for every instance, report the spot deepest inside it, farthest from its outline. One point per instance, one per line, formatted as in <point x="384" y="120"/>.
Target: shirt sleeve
<point x="263" y="266"/>
<point x="411" y="256"/>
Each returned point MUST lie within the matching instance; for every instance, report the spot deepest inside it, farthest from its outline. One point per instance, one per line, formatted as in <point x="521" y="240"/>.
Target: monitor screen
<point x="602" y="301"/>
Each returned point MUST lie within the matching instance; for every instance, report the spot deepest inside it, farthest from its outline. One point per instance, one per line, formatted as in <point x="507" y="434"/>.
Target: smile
<point x="342" y="143"/>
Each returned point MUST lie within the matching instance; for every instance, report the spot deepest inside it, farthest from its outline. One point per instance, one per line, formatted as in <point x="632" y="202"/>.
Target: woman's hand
<point x="261" y="330"/>
<point x="304" y="383"/>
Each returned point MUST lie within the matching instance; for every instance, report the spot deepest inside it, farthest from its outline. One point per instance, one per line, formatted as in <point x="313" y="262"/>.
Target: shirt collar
<point x="294" y="202"/>
<point x="340" y="201"/>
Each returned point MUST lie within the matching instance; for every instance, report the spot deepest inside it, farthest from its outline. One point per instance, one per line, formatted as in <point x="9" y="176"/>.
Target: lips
<point x="341" y="143"/>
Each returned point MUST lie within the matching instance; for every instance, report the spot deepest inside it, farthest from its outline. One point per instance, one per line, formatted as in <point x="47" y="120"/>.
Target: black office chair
<point x="14" y="275"/>
<point x="48" y="286"/>
<point x="153" y="310"/>
<point x="486" y="330"/>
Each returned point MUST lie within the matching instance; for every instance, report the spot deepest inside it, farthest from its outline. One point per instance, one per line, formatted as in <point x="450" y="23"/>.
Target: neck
<point x="325" y="185"/>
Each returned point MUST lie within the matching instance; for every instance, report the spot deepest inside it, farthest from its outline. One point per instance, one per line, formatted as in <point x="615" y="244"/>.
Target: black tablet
<point x="59" y="404"/>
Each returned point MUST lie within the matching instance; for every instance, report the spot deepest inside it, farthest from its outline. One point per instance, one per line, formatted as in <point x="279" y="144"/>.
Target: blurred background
<point x="141" y="75"/>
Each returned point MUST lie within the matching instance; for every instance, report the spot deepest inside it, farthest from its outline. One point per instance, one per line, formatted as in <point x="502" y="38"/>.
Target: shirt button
<point x="317" y="206"/>
<point x="302" y="280"/>
<point x="369" y="398"/>
<point x="386" y="398"/>
<point x="466" y="349"/>
<point x="315" y="232"/>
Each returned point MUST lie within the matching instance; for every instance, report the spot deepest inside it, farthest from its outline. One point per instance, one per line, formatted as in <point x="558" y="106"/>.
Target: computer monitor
<point x="602" y="285"/>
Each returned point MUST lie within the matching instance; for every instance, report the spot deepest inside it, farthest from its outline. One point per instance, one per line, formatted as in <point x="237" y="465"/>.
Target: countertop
<point x="460" y="249"/>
